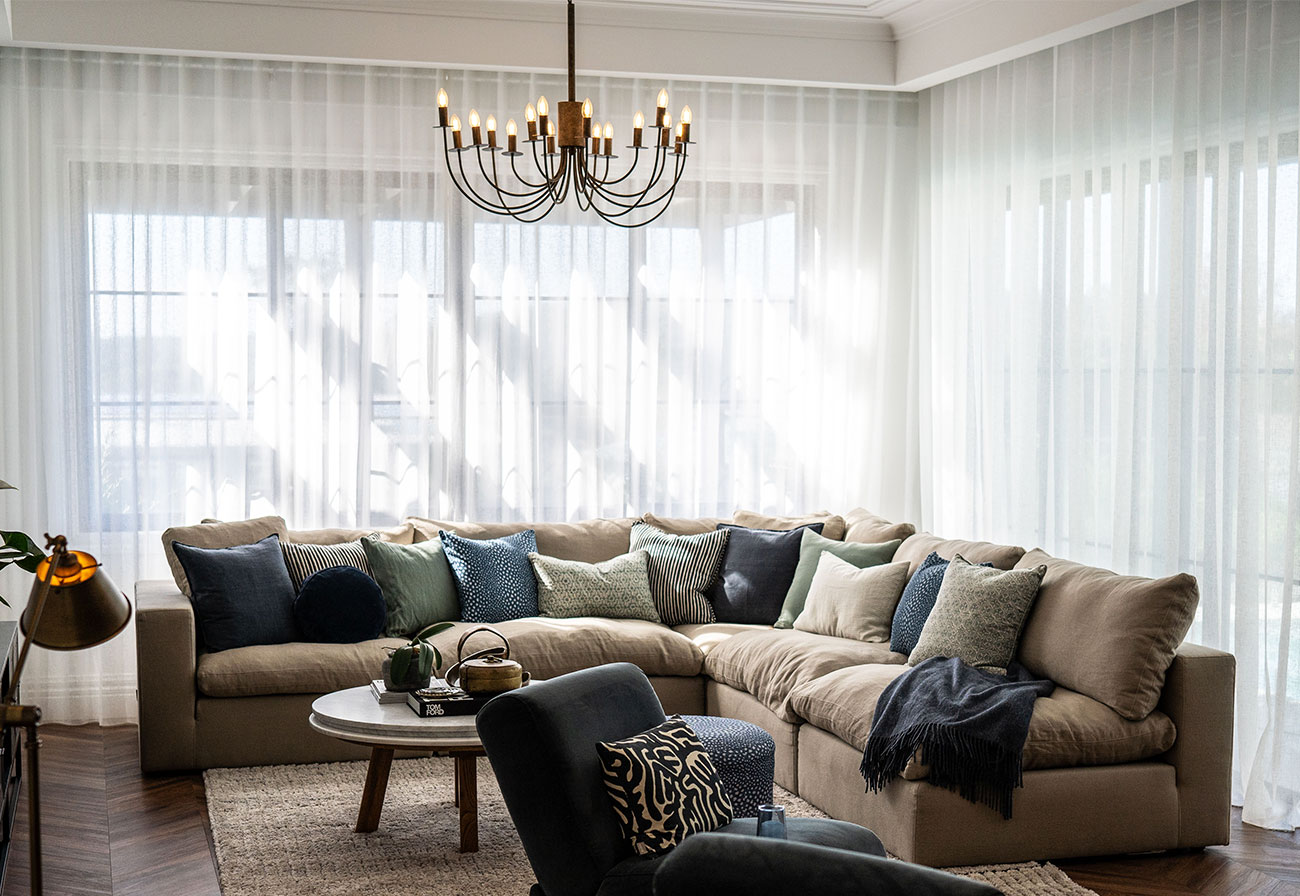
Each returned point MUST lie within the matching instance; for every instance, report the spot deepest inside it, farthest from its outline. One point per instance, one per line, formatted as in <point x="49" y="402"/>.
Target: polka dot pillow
<point x="493" y="577"/>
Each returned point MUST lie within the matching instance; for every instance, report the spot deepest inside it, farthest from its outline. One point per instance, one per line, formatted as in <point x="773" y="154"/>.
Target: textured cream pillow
<point x="847" y="602"/>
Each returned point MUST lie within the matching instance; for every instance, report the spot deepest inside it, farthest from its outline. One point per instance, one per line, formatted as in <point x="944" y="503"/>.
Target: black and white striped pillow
<point x="682" y="569"/>
<point x="664" y="786"/>
<point x="305" y="560"/>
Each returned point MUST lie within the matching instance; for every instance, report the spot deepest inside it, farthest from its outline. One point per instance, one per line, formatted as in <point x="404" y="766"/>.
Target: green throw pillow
<point x="416" y="579"/>
<point x="616" y="589"/>
<point x="810" y="551"/>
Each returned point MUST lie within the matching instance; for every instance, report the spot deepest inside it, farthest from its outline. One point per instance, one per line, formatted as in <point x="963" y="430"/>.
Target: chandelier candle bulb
<point x="665" y="130"/>
<point x="512" y="136"/>
<point x="595" y="143"/>
<point x="637" y="124"/>
<point x="685" y="126"/>
<point x="530" y="116"/>
<point x="661" y="118"/>
<point x="442" y="108"/>
<point x="492" y="131"/>
<point x="586" y="117"/>
<point x="543" y="113"/>
<point x="550" y="136"/>
<point x="609" y="139"/>
<point x="475" y="127"/>
<point x="455" y="130"/>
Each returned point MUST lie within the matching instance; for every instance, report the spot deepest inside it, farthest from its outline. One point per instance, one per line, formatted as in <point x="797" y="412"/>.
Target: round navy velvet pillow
<point x="339" y="605"/>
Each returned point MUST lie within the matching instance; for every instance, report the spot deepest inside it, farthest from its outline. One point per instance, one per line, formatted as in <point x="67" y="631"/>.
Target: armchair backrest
<point x="541" y="741"/>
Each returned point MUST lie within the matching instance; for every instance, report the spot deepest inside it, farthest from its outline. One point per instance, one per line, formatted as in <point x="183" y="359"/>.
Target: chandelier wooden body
<point x="577" y="155"/>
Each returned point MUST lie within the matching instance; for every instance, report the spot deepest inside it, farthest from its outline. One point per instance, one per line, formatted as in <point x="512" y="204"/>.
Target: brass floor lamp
<point x="73" y="605"/>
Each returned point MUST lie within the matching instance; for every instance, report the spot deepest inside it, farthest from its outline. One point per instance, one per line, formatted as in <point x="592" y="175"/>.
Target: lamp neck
<point x="573" y="79"/>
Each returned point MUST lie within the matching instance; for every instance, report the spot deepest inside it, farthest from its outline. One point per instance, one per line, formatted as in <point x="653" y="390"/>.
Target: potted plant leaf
<point x="19" y="549"/>
<point x="411" y="666"/>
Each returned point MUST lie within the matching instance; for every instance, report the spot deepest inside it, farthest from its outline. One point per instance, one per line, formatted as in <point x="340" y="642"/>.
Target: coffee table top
<point x="355" y="715"/>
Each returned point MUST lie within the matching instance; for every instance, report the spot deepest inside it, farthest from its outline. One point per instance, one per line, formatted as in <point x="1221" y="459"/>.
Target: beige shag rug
<point x="288" y="828"/>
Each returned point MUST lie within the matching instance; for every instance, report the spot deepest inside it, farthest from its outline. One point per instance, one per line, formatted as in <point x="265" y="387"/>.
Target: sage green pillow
<point x="811" y="549"/>
<point x="419" y="588"/>
<point x="616" y="589"/>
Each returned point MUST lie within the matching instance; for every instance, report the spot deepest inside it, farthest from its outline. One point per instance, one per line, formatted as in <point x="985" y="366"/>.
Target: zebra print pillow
<point x="682" y="569"/>
<point x="663" y="786"/>
<point x="305" y="560"/>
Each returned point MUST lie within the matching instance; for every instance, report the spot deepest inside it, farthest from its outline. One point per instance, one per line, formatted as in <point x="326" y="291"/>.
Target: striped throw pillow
<point x="682" y="569"/>
<point x="304" y="560"/>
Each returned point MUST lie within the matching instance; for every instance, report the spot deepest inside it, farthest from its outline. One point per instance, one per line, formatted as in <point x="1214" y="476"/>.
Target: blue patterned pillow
<point x="916" y="603"/>
<point x="493" y="576"/>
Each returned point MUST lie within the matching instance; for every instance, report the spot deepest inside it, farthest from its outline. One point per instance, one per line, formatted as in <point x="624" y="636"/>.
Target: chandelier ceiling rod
<point x="564" y="160"/>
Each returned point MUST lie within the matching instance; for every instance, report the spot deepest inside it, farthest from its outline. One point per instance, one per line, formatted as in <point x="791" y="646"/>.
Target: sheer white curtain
<point x="230" y="288"/>
<point x="1109" y="339"/>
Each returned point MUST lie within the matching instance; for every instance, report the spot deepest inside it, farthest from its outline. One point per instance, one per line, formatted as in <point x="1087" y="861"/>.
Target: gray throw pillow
<point x="978" y="615"/>
<point x="847" y="602"/>
<point x="811" y="549"/>
<point x="616" y="589"/>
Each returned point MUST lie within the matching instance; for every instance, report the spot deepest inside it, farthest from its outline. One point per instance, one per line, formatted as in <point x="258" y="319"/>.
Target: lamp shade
<point x="84" y="607"/>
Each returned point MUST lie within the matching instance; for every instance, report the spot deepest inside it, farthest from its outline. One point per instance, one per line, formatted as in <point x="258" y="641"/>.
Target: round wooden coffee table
<point x="355" y="715"/>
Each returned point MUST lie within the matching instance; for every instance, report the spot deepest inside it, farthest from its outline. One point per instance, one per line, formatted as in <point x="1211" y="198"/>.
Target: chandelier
<point x="577" y="155"/>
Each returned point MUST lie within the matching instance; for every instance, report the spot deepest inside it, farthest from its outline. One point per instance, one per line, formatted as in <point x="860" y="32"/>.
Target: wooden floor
<point x="110" y="830"/>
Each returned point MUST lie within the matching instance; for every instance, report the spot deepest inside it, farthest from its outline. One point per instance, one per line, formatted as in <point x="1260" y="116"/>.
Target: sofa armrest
<point x="1198" y="696"/>
<point x="166" y="660"/>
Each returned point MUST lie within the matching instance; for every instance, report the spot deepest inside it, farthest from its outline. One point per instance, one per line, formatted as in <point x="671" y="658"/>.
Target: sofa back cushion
<point x="682" y="525"/>
<point x="216" y="534"/>
<point x="1108" y="636"/>
<point x="589" y="541"/>
<point x="402" y="533"/>
<point x="832" y="525"/>
<point x="919" y="546"/>
<point x="863" y="525"/>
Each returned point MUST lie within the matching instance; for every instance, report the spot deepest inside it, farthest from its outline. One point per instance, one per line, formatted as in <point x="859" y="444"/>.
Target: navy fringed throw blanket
<point x="970" y="726"/>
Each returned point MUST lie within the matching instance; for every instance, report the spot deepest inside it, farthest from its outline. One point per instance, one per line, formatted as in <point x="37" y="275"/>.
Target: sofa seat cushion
<point x="295" y="668"/>
<point x="549" y="647"/>
<point x="708" y="635"/>
<point x="1067" y="729"/>
<point x="770" y="664"/>
<point x="919" y="546"/>
<point x="589" y="541"/>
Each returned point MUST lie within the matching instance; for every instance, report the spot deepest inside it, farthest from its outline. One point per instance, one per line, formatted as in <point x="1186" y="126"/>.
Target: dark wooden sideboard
<point x="11" y="751"/>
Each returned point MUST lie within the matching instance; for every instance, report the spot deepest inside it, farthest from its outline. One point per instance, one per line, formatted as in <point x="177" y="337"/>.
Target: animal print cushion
<point x="663" y="787"/>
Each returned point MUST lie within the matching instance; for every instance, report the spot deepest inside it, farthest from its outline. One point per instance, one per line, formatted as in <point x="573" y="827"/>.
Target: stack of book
<point x="384" y="695"/>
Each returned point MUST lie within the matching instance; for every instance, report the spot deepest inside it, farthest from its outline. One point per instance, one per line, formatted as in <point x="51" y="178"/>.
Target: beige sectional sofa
<point x="1096" y="782"/>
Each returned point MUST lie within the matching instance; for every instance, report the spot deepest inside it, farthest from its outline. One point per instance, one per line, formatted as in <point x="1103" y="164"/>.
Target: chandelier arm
<point x="615" y="197"/>
<point x="636" y="160"/>
<point x="468" y="191"/>
<point x="614" y="217"/>
<point x="642" y="203"/>
<point x="501" y="191"/>
<point x="545" y="169"/>
<point x="582" y="188"/>
<point x="525" y="181"/>
<point x="656" y="172"/>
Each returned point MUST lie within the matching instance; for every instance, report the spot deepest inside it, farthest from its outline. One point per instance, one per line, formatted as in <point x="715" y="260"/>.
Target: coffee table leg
<point x="372" y="798"/>
<point x="467" y="800"/>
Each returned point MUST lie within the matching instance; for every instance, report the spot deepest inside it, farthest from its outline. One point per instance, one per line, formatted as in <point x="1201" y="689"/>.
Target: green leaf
<point x="430" y="630"/>
<point x="426" y="661"/>
<point x="401" y="662"/>
<point x="18" y="547"/>
<point x="4" y="484"/>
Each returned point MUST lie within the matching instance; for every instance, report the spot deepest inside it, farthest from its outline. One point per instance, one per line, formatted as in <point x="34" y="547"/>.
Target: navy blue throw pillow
<point x="756" y="573"/>
<point x="241" y="595"/>
<point x="916" y="603"/>
<point x="493" y="576"/>
<point x="339" y="605"/>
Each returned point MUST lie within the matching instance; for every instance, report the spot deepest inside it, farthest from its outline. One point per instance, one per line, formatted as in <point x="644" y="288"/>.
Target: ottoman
<point x="745" y="756"/>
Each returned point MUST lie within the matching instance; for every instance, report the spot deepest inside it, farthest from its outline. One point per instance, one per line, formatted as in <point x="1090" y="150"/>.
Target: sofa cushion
<point x="1067" y="728"/>
<point x="708" y="635"/>
<point x="769" y="664"/>
<point x="617" y="588"/>
<point x="687" y="525"/>
<point x="978" y="615"/>
<point x="590" y="541"/>
<point x="216" y="534"/>
<point x="402" y="533"/>
<point x="863" y="525"/>
<point x="295" y="668"/>
<point x="493" y="576"/>
<point x="339" y="605"/>
<point x="417" y="584"/>
<point x="756" y="573"/>
<point x="242" y="594"/>
<point x="916" y="548"/>
<point x="832" y="525"/>
<point x="848" y="602"/>
<point x="305" y="560"/>
<point x="682" y="570"/>
<point x="811" y="547"/>
<point x="1133" y="626"/>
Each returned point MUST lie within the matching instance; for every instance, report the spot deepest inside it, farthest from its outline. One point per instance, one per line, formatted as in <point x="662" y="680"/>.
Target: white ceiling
<point x="890" y="44"/>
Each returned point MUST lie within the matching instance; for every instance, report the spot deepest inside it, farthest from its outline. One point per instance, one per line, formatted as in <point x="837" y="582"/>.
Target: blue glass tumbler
<point x="771" y="822"/>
